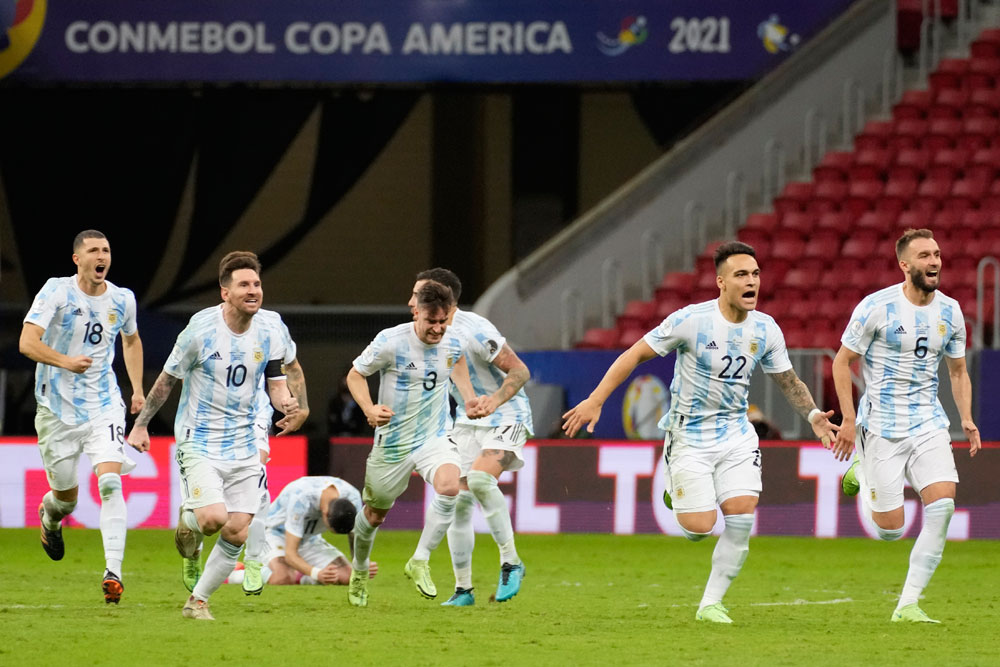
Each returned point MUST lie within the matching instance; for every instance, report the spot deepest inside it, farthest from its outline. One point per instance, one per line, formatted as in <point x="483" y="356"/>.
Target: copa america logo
<point x="646" y="401"/>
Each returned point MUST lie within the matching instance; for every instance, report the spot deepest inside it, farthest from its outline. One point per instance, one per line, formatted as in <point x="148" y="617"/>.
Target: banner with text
<point x="595" y="486"/>
<point x="152" y="489"/>
<point x="380" y="41"/>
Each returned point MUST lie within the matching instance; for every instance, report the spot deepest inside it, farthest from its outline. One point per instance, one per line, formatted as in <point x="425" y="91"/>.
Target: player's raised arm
<point x="961" y="391"/>
<point x="588" y="411"/>
<point x="157" y="396"/>
<point x="31" y="346"/>
<point x="797" y="394"/>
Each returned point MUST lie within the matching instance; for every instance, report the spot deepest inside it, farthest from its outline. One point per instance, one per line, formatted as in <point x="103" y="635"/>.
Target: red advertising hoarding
<point x="152" y="490"/>
<point x="615" y="486"/>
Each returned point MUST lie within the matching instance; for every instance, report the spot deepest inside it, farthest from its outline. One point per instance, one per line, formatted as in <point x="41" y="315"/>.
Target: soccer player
<point x="221" y="356"/>
<point x="70" y="332"/>
<point x="414" y="361"/>
<point x="900" y="430"/>
<point x="296" y="552"/>
<point x="489" y="437"/>
<point x="711" y="448"/>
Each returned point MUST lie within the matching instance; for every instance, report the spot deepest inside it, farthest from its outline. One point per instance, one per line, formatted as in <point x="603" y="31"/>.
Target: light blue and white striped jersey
<point x="413" y="382"/>
<point x="901" y="346"/>
<point x="76" y="324"/>
<point x="484" y="344"/>
<point x="296" y="510"/>
<point x="715" y="358"/>
<point x="222" y="373"/>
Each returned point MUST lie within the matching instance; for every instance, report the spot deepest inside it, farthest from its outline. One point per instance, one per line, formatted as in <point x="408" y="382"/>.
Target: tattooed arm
<point x="157" y="396"/>
<point x="295" y="381"/>
<point x="517" y="374"/>
<point x="797" y="394"/>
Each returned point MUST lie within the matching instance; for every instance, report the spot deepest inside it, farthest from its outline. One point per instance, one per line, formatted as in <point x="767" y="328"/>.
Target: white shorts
<point x="314" y="550"/>
<point x="102" y="440"/>
<point x="473" y="440"/>
<point x="384" y="481"/>
<point x="702" y="475"/>
<point x="921" y="460"/>
<point x="236" y="484"/>
<point x="262" y="436"/>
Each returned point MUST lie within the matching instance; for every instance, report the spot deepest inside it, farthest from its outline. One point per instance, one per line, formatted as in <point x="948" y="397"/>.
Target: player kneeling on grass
<point x="711" y="450"/>
<point x="295" y="551"/>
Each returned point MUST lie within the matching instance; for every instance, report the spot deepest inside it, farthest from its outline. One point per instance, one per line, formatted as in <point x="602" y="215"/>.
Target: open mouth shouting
<point x="100" y="269"/>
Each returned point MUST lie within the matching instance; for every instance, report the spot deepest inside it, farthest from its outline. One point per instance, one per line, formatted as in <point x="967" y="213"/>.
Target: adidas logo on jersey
<point x="78" y="312"/>
<point x="712" y="346"/>
<point x="411" y="366"/>
<point x="215" y="355"/>
<point x="900" y="329"/>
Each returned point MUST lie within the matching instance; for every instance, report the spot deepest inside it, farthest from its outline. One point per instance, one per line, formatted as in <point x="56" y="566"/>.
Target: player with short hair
<point x="221" y="357"/>
<point x="900" y="430"/>
<point x="414" y="361"/>
<point x="490" y="433"/>
<point x="70" y="332"/>
<point x="295" y="551"/>
<point x="711" y="449"/>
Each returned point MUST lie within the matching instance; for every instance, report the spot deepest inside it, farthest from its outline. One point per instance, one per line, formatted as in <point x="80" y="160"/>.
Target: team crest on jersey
<point x="451" y="361"/>
<point x="679" y="493"/>
<point x="196" y="492"/>
<point x="754" y="347"/>
<point x="258" y="355"/>
<point x="942" y="329"/>
<point x="112" y="317"/>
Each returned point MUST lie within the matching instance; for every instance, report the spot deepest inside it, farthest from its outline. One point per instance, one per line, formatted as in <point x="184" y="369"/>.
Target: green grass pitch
<point x="586" y="600"/>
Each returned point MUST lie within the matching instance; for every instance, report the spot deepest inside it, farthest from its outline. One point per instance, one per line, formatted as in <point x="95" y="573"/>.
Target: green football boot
<point x="911" y="613"/>
<point x="850" y="484"/>
<point x="715" y="613"/>
<point x="420" y="572"/>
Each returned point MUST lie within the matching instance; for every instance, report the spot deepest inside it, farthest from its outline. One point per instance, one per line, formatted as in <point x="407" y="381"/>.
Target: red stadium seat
<point x="983" y="102"/>
<point x="965" y="194"/>
<point x="603" y="339"/>
<point x="827" y="195"/>
<point x="759" y="239"/>
<point x="909" y="133"/>
<point x="862" y="196"/>
<point x="787" y="248"/>
<point x="977" y="133"/>
<point x="982" y="73"/>
<point x="879" y="221"/>
<point x="637" y="314"/>
<point x="801" y="222"/>
<point x="984" y="165"/>
<point x="948" y="103"/>
<point x="949" y="73"/>
<point x="669" y="305"/>
<point x="896" y="196"/>
<point x="630" y="336"/>
<point x="837" y="221"/>
<point x="875" y="134"/>
<point x="942" y="133"/>
<point x="858" y="247"/>
<point x="833" y="166"/>
<point x="910" y="163"/>
<point x="931" y="194"/>
<point x="767" y="222"/>
<point x="980" y="220"/>
<point x="948" y="163"/>
<point x="913" y="104"/>
<point x="872" y="163"/>
<point x="793" y="197"/>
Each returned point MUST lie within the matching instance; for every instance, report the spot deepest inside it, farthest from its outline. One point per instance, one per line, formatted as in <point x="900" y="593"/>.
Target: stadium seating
<point x="935" y="164"/>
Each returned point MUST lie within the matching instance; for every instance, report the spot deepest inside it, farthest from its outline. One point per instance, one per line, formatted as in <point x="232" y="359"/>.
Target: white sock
<point x="927" y="550"/>
<point x="364" y="538"/>
<point x="436" y="521"/>
<point x="462" y="539"/>
<point x="255" y="539"/>
<point x="487" y="492"/>
<point x="730" y="552"/>
<point x="219" y="565"/>
<point x="113" y="520"/>
<point x="191" y="521"/>
<point x="265" y="574"/>
<point x="236" y="577"/>
<point x="55" y="510"/>
<point x="306" y="580"/>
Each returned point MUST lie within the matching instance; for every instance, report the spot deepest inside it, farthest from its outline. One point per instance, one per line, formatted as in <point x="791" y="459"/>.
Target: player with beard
<point x="711" y="449"/>
<point x="900" y="430"/>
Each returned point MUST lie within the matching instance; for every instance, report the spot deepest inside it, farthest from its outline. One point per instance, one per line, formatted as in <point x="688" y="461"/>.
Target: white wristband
<point x="315" y="574"/>
<point x="813" y="413"/>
